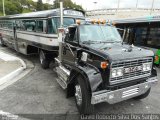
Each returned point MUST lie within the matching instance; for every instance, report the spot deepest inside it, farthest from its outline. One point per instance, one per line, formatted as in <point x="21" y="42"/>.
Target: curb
<point x="13" y="74"/>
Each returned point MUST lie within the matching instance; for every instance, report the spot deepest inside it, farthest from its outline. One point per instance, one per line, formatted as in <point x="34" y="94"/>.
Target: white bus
<point x="36" y="32"/>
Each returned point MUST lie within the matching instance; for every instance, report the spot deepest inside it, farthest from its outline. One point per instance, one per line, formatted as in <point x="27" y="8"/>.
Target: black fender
<point x="91" y="74"/>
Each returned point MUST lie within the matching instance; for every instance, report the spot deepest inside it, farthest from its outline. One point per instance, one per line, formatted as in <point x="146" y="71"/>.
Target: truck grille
<point x="131" y="75"/>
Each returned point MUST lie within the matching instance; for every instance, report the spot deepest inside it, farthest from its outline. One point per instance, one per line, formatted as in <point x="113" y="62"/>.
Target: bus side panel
<point x="27" y="43"/>
<point x="7" y="36"/>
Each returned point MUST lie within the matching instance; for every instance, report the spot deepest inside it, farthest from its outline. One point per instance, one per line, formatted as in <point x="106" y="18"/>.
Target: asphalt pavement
<point x="38" y="95"/>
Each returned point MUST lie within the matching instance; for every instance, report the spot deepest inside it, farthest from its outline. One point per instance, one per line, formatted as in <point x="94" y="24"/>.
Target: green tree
<point x="39" y="5"/>
<point x="23" y="6"/>
<point x="11" y="7"/>
<point x="67" y="4"/>
<point x="47" y="6"/>
<point x="28" y="5"/>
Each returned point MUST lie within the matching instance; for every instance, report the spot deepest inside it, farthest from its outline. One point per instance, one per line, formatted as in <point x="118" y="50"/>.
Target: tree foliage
<point x="22" y="6"/>
<point x="11" y="7"/>
<point x="39" y="5"/>
<point x="25" y="6"/>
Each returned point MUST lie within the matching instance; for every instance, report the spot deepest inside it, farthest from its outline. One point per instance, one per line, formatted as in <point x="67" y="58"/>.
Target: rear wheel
<point x="143" y="95"/>
<point x="83" y="97"/>
<point x="44" y="61"/>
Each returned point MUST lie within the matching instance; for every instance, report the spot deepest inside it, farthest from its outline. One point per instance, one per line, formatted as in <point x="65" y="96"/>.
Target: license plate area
<point x="130" y="92"/>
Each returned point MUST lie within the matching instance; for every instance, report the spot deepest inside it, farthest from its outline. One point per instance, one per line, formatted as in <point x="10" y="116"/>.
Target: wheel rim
<point x="78" y="94"/>
<point x="42" y="57"/>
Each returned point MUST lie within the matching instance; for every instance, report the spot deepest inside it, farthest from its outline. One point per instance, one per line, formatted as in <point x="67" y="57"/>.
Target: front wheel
<point x="143" y="95"/>
<point x="43" y="60"/>
<point x="83" y="97"/>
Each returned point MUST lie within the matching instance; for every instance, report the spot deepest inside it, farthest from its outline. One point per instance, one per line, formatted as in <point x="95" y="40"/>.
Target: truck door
<point x="69" y="47"/>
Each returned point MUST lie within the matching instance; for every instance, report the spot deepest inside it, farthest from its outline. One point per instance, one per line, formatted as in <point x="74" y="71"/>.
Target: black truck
<point x="94" y="66"/>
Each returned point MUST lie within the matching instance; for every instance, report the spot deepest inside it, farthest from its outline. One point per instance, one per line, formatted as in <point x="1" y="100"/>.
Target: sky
<point x="102" y="4"/>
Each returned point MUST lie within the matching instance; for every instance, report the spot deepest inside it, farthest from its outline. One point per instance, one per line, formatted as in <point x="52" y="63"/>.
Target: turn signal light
<point x="78" y="22"/>
<point x="104" y="65"/>
<point x="156" y="58"/>
<point x="93" y="21"/>
<point x="113" y="23"/>
<point x="103" y="21"/>
<point x="98" y="21"/>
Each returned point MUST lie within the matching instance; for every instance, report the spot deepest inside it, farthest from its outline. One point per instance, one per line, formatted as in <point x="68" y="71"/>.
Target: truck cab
<point x="94" y="66"/>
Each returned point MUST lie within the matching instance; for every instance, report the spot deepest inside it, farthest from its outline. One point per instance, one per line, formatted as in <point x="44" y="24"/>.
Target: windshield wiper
<point x="106" y="41"/>
<point x="98" y="41"/>
<point x="89" y="42"/>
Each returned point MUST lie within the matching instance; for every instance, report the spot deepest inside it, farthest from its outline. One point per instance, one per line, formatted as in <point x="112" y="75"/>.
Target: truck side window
<point x="72" y="35"/>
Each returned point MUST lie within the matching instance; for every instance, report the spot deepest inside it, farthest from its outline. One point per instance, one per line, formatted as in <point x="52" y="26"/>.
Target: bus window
<point x="18" y="25"/>
<point x="29" y="25"/>
<point x="10" y="24"/>
<point x="39" y="26"/>
<point x="1" y="24"/>
<point x="54" y="24"/>
<point x="140" y="36"/>
<point x="66" y="22"/>
<point x="51" y="27"/>
<point x="154" y="38"/>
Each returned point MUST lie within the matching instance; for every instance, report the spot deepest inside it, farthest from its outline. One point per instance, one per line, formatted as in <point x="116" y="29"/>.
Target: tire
<point x="158" y="66"/>
<point x="83" y="100"/>
<point x="43" y="60"/>
<point x="1" y="43"/>
<point x="143" y="95"/>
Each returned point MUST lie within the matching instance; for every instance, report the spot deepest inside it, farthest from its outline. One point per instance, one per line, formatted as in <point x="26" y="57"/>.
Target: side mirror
<point x="66" y="31"/>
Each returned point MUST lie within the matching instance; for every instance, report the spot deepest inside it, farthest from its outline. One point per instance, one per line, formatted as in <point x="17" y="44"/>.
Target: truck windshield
<point x="99" y="33"/>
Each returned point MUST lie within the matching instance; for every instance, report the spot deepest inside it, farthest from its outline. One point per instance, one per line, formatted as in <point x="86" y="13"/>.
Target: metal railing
<point x="119" y="10"/>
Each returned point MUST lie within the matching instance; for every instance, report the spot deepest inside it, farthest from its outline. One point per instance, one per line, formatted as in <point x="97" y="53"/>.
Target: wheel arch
<point x="92" y="78"/>
<point x="32" y="49"/>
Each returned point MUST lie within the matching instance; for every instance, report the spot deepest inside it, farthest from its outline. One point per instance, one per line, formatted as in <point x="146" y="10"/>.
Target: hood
<point x="117" y="51"/>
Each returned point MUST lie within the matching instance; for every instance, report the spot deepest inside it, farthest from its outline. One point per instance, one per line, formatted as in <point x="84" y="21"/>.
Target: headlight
<point x="147" y="66"/>
<point x="117" y="72"/>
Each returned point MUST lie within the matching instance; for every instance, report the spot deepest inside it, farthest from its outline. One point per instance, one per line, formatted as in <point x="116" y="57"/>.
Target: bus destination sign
<point x="72" y="12"/>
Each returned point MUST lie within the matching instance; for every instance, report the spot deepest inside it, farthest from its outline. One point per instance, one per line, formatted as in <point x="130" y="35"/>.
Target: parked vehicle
<point x="142" y="31"/>
<point x="36" y="32"/>
<point x="95" y="66"/>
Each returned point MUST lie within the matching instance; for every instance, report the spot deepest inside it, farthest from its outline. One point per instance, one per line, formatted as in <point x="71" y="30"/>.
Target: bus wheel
<point x="83" y="97"/>
<point x="1" y="42"/>
<point x="43" y="60"/>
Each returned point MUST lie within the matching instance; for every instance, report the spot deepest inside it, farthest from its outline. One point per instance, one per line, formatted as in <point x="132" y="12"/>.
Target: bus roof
<point x="145" y="19"/>
<point x="46" y="14"/>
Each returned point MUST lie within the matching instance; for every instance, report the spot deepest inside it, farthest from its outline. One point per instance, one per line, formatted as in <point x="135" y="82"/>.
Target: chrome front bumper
<point x="122" y="94"/>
